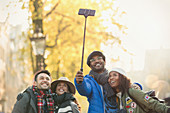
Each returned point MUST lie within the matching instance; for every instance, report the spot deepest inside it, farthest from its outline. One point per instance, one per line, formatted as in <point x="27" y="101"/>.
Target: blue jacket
<point x="93" y="91"/>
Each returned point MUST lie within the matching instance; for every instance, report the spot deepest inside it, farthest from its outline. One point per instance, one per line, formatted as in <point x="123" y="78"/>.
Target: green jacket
<point x="146" y="102"/>
<point x="26" y="102"/>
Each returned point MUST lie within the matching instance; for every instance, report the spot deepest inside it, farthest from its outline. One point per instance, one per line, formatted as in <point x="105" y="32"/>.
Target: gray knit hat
<point x="94" y="53"/>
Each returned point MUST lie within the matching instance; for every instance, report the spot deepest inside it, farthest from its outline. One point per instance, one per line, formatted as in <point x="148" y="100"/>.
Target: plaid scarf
<point x="41" y="96"/>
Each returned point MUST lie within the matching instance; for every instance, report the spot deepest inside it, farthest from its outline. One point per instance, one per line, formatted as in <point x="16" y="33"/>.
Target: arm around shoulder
<point x="21" y="104"/>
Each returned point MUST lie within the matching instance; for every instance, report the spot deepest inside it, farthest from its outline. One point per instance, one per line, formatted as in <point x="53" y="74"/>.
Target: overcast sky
<point x="148" y="23"/>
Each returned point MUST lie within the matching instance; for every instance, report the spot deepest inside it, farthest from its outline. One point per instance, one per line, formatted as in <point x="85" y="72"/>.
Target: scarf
<point x="41" y="97"/>
<point x="102" y="79"/>
<point x="63" y="103"/>
<point x="59" y="99"/>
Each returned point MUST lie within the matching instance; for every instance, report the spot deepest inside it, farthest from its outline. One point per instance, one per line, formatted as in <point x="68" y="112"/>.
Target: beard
<point x="98" y="70"/>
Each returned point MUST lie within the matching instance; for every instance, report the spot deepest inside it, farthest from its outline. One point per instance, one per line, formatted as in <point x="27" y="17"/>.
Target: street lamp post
<point x="38" y="41"/>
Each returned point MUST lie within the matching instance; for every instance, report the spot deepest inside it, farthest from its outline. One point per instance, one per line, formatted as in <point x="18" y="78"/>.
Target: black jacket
<point x="65" y="103"/>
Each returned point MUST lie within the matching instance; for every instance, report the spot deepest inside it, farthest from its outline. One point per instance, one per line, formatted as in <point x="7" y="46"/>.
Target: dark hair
<point x="39" y="72"/>
<point x="66" y="84"/>
<point x="68" y="88"/>
<point x="124" y="83"/>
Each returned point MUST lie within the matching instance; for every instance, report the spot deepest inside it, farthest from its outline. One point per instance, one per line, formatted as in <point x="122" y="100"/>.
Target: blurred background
<point x="48" y="34"/>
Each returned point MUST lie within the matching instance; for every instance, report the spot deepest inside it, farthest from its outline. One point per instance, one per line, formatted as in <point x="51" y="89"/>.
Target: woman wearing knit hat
<point x="64" y="101"/>
<point x="132" y="100"/>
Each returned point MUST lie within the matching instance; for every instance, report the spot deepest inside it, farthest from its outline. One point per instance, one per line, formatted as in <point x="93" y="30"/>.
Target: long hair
<point x="124" y="83"/>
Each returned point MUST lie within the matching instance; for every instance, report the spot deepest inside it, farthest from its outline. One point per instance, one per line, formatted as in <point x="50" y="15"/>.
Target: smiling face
<point x="114" y="80"/>
<point x="43" y="81"/>
<point x="61" y="88"/>
<point x="97" y="64"/>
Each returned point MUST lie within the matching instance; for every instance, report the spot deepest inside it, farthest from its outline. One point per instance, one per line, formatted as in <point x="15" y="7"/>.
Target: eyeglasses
<point x="98" y="58"/>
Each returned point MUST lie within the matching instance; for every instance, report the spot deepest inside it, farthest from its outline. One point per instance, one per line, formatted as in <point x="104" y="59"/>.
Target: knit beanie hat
<point x="119" y="70"/>
<point x="139" y="85"/>
<point x="94" y="53"/>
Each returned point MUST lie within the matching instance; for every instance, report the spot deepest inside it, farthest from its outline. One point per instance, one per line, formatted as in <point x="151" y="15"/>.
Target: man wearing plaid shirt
<point x="38" y="97"/>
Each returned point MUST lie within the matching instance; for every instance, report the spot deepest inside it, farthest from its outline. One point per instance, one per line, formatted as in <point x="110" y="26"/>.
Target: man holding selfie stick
<point x="94" y="85"/>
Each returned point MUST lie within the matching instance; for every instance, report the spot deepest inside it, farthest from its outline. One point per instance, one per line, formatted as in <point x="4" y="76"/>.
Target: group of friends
<point x="106" y="91"/>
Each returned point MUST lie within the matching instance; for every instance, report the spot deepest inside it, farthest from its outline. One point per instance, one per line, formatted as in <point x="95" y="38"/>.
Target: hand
<point x="79" y="77"/>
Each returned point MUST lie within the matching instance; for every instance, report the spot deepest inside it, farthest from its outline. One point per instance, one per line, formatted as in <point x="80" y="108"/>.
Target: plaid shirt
<point x="44" y="97"/>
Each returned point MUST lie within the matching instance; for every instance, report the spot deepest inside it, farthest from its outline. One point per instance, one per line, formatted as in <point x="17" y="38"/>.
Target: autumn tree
<point x="64" y="27"/>
<point x="59" y="19"/>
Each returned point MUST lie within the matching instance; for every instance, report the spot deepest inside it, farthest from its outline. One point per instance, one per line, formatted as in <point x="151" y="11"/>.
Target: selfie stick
<point x="86" y="13"/>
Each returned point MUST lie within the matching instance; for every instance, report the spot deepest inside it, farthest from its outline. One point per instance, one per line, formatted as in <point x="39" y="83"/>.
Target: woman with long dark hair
<point x="132" y="100"/>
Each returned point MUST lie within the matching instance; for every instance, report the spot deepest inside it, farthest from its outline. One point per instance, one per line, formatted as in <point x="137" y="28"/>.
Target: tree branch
<point x="90" y="31"/>
<point x="52" y="9"/>
<point x="57" y="36"/>
<point x="69" y="17"/>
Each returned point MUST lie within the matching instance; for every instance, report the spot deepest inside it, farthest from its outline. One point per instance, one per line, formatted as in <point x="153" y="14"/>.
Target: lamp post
<point x="38" y="41"/>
